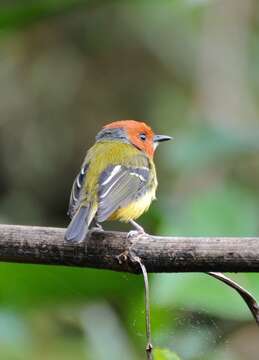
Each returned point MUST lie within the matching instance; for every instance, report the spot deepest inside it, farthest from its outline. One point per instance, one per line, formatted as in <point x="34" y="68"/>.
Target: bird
<point x="117" y="180"/>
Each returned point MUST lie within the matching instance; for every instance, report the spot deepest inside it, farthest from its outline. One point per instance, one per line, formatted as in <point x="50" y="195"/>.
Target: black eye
<point x="143" y="136"/>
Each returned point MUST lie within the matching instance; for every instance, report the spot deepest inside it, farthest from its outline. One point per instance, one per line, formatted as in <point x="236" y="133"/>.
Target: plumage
<point x="78" y="227"/>
<point x="117" y="180"/>
<point x="128" y="185"/>
<point x="76" y="191"/>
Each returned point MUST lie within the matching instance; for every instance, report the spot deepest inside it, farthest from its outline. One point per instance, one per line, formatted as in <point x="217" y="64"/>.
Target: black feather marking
<point x="76" y="191"/>
<point x="120" y="186"/>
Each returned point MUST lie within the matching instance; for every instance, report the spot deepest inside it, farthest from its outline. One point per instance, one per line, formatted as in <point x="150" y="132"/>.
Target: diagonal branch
<point x="248" y="298"/>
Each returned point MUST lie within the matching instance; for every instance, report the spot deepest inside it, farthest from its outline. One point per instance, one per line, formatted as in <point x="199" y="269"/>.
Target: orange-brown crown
<point x="139" y="134"/>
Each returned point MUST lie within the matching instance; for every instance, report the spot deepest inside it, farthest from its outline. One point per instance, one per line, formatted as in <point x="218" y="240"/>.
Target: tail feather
<point x="78" y="226"/>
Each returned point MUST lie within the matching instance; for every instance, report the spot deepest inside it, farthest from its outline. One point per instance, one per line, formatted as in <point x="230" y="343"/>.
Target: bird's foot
<point x="137" y="226"/>
<point x="97" y="227"/>
<point x="136" y="234"/>
<point x="133" y="236"/>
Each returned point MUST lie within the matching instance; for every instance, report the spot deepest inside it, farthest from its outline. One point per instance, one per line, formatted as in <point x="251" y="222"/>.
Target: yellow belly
<point x="135" y="209"/>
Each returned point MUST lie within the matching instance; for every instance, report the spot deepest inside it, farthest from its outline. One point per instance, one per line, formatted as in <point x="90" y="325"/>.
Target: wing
<point x="118" y="186"/>
<point x="76" y="192"/>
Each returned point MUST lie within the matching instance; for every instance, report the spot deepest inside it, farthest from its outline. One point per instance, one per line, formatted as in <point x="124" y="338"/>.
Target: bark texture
<point x="43" y="245"/>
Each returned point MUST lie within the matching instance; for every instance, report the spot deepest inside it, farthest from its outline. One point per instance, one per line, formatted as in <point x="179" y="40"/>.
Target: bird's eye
<point x="143" y="136"/>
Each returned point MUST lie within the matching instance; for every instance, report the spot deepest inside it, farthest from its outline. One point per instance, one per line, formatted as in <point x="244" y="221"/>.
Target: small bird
<point x="117" y="180"/>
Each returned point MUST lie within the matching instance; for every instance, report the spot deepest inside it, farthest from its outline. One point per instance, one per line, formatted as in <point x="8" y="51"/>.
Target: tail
<point x="78" y="227"/>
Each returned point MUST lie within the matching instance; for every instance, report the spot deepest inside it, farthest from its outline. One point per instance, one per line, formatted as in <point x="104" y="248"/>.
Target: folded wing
<point x="119" y="185"/>
<point x="78" y="226"/>
<point x="76" y="192"/>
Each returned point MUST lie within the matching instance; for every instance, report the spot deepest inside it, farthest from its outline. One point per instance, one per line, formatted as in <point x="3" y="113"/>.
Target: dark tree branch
<point x="40" y="245"/>
<point x="114" y="251"/>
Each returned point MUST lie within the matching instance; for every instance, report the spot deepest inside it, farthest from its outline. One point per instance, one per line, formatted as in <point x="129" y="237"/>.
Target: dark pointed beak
<point x="160" y="138"/>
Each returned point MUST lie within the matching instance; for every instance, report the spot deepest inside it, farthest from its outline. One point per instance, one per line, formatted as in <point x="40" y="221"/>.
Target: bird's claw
<point x="134" y="236"/>
<point x="131" y="234"/>
<point x="97" y="228"/>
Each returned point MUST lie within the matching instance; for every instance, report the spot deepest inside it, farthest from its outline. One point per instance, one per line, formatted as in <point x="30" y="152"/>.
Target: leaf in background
<point x="17" y="15"/>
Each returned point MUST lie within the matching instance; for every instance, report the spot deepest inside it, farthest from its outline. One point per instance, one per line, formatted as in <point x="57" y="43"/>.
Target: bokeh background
<point x="190" y="68"/>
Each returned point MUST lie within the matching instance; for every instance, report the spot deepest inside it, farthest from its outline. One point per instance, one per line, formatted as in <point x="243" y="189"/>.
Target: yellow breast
<point x="135" y="209"/>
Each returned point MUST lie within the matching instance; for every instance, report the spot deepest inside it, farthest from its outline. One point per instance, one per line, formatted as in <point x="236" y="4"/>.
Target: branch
<point x="42" y="245"/>
<point x="142" y="254"/>
<point x="247" y="297"/>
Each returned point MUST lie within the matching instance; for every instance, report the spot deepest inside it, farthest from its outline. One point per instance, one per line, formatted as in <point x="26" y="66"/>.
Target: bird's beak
<point x="160" y="138"/>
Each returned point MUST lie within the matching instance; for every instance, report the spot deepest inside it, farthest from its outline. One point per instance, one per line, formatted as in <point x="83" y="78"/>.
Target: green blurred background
<point x="190" y="68"/>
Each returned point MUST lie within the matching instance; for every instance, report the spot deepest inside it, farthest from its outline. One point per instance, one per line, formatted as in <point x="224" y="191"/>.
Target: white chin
<point x="156" y="145"/>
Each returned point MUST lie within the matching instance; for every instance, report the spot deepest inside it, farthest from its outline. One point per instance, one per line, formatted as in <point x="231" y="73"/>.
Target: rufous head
<point x="137" y="133"/>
